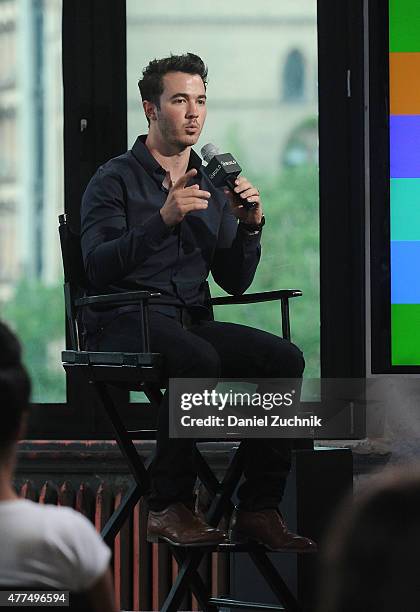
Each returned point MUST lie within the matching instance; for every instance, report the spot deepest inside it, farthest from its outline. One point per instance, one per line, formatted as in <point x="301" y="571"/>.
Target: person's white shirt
<point x="49" y="546"/>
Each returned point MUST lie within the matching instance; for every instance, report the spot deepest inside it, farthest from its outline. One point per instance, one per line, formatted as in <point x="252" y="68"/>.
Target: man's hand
<point x="181" y="200"/>
<point x="244" y="191"/>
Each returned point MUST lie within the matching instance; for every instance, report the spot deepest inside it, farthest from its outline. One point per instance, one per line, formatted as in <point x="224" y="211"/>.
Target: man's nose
<point x="192" y="110"/>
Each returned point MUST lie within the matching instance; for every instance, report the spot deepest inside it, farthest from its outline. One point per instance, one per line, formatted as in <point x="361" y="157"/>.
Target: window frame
<point x="94" y="77"/>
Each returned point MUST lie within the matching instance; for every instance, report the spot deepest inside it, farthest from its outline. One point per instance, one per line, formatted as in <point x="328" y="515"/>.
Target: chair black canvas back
<point x="75" y="281"/>
<point x="74" y="271"/>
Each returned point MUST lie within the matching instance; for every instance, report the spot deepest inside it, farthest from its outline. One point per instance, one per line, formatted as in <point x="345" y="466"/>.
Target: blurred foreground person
<point x="372" y="556"/>
<point x="42" y="546"/>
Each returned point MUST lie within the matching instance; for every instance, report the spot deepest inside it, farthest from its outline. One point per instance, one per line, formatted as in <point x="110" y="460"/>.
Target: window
<point x="31" y="189"/>
<point x="246" y="118"/>
<point x="294" y="77"/>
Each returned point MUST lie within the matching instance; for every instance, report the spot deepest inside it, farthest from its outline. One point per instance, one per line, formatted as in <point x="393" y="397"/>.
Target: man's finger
<point x="241" y="179"/>
<point x="193" y="204"/>
<point x="252" y="191"/>
<point x="242" y="186"/>
<point x="254" y="198"/>
<point x="183" y="180"/>
<point x="196" y="193"/>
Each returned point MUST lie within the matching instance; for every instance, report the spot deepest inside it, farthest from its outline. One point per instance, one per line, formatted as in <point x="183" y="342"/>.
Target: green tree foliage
<point x="36" y="313"/>
<point x="290" y="260"/>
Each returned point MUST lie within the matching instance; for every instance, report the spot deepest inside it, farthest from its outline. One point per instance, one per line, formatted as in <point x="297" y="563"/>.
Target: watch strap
<point x="253" y="227"/>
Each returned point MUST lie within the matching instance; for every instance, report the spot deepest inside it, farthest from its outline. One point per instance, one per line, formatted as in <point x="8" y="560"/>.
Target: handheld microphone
<point x="222" y="169"/>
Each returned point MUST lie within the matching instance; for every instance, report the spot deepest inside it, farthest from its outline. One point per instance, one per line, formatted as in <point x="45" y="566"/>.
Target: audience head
<point x="372" y="555"/>
<point x="15" y="390"/>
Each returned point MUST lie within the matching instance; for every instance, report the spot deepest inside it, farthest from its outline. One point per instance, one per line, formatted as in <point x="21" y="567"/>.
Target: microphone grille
<point x="209" y="151"/>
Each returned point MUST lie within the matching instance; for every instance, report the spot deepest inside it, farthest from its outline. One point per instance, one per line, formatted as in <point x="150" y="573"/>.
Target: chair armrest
<point x="253" y="298"/>
<point x="265" y="296"/>
<point x="128" y="297"/>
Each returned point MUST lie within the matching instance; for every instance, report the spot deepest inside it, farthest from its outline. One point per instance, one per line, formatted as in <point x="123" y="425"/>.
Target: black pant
<point x="210" y="349"/>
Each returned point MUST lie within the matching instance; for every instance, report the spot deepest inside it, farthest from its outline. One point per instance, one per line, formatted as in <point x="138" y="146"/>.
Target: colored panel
<point x="404" y="68"/>
<point x="405" y="272"/>
<point x="404" y="21"/>
<point x="405" y="326"/>
<point x="404" y="71"/>
<point x="405" y="146"/>
<point x="405" y="209"/>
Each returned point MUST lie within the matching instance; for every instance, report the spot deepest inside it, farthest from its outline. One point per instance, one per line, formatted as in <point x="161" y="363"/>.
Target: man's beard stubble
<point x="173" y="137"/>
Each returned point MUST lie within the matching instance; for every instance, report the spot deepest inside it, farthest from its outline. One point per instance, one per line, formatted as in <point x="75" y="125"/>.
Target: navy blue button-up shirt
<point x="126" y="245"/>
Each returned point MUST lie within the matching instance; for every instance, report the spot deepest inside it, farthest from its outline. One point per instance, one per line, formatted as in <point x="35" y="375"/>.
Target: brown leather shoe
<point x="267" y="527"/>
<point x="177" y="525"/>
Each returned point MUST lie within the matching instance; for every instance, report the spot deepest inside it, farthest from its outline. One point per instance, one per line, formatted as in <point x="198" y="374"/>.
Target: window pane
<point x="252" y="56"/>
<point x="31" y="186"/>
<point x="294" y="76"/>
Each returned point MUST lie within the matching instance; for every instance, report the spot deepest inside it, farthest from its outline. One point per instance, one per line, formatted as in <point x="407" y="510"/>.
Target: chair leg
<point x="153" y="393"/>
<point x="221" y="492"/>
<point x="124" y="439"/>
<point x="221" y="502"/>
<point x="135" y="463"/>
<point x="188" y="577"/>
<point x="117" y="520"/>
<point x="275" y="581"/>
<point x="197" y="585"/>
<point x="207" y="477"/>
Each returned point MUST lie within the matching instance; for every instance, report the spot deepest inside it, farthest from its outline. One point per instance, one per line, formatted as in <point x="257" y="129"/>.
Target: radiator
<point x="143" y="572"/>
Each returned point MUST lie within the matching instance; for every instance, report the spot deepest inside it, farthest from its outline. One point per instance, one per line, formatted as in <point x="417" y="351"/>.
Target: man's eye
<point x="202" y="102"/>
<point x="179" y="100"/>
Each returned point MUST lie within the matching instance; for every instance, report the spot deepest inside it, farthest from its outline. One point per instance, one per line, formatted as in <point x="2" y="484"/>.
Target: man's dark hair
<point x="151" y="85"/>
<point x="15" y="387"/>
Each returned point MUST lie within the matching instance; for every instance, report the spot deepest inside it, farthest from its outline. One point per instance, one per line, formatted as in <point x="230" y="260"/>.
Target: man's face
<point x="182" y="112"/>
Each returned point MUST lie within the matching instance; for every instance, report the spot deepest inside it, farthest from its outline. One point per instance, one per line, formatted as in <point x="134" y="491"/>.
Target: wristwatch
<point x="253" y="228"/>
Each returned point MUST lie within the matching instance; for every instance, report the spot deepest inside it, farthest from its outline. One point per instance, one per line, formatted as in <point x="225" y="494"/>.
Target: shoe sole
<point x="239" y="538"/>
<point x="154" y="539"/>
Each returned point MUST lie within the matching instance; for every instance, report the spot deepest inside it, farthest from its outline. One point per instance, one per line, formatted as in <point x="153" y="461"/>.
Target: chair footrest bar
<point x="222" y="602"/>
<point x="115" y="358"/>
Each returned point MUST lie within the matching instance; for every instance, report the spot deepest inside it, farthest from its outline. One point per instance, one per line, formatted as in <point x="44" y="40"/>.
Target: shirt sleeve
<point x="94" y="555"/>
<point x="75" y="548"/>
<point x="110" y="250"/>
<point x="236" y="256"/>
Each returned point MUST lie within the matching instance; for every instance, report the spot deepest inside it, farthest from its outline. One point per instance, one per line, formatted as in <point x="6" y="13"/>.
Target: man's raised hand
<point x="182" y="200"/>
<point x="245" y="191"/>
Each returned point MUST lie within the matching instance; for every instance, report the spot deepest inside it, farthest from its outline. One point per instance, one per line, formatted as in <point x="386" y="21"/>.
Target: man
<point x="41" y="546"/>
<point x="151" y="219"/>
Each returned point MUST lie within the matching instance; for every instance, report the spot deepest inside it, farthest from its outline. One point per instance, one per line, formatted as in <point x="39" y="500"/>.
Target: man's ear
<point x="150" y="110"/>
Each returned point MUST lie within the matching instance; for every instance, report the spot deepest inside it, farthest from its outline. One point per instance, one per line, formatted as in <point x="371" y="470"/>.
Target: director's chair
<point x="142" y="372"/>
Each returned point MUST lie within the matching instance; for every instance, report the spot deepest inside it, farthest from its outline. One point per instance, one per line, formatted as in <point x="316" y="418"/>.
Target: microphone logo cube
<point x="222" y="170"/>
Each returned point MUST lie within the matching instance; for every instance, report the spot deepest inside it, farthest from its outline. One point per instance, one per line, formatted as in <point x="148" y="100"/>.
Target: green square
<point x="404" y="25"/>
<point x="405" y="334"/>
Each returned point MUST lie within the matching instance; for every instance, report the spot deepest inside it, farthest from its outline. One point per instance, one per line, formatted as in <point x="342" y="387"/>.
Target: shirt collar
<point x="151" y="165"/>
